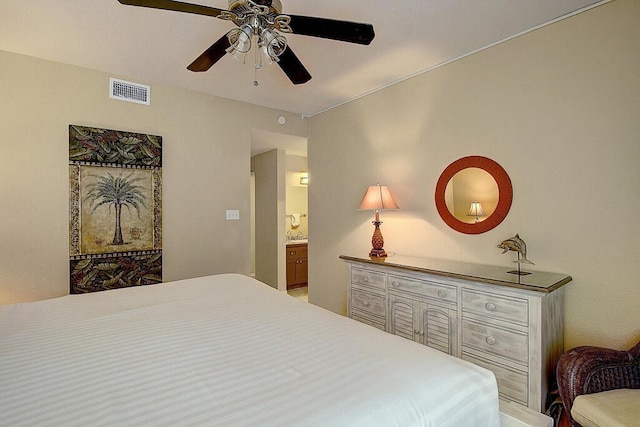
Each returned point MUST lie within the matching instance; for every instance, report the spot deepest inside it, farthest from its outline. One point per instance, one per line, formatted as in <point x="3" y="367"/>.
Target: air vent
<point x="130" y="92"/>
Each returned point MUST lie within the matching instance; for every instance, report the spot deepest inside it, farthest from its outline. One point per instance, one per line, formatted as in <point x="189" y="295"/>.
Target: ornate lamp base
<point x="377" y="242"/>
<point x="377" y="253"/>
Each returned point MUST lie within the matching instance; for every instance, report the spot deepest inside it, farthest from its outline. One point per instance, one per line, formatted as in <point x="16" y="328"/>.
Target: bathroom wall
<point x="296" y="195"/>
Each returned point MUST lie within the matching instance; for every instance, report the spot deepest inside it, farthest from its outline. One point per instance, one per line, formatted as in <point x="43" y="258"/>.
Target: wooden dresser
<point x="510" y="324"/>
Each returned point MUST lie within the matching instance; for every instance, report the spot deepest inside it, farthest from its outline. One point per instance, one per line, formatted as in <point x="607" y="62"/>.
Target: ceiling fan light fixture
<point x="240" y="39"/>
<point x="273" y="43"/>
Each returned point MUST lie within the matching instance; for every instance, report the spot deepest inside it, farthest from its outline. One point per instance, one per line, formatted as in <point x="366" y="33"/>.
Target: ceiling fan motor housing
<point x="239" y="6"/>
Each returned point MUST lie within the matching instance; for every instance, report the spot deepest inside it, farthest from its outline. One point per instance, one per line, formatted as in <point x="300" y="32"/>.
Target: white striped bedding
<point x="223" y="350"/>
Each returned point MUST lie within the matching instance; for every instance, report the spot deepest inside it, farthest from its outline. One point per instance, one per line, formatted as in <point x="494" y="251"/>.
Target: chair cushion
<point x="614" y="408"/>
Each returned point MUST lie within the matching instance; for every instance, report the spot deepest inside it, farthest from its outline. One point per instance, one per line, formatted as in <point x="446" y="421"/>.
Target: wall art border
<point x="115" y="202"/>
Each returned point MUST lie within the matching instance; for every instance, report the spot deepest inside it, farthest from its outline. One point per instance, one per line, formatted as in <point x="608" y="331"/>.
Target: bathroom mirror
<point x="473" y="195"/>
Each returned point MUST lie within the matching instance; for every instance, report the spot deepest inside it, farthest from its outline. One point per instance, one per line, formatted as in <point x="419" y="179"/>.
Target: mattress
<point x="223" y="350"/>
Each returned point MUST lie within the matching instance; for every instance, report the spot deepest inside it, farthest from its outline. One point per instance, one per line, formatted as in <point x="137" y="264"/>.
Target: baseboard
<point x="515" y="415"/>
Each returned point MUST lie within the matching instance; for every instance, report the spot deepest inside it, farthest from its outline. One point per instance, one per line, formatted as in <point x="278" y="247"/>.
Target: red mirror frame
<point x="505" y="194"/>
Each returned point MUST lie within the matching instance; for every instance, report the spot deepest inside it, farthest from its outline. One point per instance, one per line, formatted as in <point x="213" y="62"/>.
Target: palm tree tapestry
<point x="115" y="209"/>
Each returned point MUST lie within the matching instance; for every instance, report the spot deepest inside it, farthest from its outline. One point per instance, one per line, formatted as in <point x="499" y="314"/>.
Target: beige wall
<point x="558" y="108"/>
<point x="206" y="148"/>
<point x="270" y="221"/>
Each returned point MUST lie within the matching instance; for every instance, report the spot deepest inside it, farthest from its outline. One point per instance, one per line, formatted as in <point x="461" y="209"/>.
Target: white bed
<point x="223" y="350"/>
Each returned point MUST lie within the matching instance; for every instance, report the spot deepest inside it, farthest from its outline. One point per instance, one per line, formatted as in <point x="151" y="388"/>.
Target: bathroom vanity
<point x="297" y="266"/>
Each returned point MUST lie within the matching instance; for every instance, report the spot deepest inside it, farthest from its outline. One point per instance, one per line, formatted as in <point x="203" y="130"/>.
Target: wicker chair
<point x="585" y="370"/>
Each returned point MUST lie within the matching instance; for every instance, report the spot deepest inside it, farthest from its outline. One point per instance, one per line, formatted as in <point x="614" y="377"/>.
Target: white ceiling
<point x="155" y="46"/>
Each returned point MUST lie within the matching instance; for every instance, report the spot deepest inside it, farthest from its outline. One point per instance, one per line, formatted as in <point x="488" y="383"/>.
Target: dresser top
<point x="535" y="281"/>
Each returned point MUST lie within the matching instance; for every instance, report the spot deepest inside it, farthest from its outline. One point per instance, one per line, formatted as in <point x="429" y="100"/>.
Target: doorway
<point x="278" y="204"/>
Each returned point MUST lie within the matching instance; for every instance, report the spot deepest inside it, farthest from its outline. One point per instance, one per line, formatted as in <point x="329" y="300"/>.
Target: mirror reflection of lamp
<point x="377" y="198"/>
<point x="476" y="210"/>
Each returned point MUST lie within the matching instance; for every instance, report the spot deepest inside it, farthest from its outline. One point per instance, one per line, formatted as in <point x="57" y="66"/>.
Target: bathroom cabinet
<point x="297" y="266"/>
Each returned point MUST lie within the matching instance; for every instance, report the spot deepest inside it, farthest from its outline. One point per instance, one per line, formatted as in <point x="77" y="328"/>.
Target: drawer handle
<point x="491" y="340"/>
<point x="442" y="294"/>
<point x="365" y="303"/>
<point x="365" y="279"/>
<point x="489" y="306"/>
<point x="394" y="284"/>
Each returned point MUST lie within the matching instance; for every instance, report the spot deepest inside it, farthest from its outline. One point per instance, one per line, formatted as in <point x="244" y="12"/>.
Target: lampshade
<point x="378" y="198"/>
<point x="476" y="209"/>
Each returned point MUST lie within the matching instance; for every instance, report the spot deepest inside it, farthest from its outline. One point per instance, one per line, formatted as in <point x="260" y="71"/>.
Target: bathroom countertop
<point x="297" y="242"/>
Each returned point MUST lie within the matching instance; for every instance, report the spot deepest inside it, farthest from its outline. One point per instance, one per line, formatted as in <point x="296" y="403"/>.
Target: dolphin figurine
<point x="518" y="245"/>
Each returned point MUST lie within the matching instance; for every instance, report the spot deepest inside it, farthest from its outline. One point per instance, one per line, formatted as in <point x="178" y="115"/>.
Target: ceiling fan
<point x="263" y="21"/>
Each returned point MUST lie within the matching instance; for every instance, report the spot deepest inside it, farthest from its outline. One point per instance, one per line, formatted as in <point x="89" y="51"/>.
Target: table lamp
<point x="377" y="198"/>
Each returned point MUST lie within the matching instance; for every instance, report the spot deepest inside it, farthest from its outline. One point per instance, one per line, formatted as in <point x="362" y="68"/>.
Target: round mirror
<point x="473" y="195"/>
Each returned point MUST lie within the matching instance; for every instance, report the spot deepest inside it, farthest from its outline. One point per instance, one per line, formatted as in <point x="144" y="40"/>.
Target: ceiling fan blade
<point x="293" y="68"/>
<point x="175" y="5"/>
<point x="211" y="55"/>
<point x="352" y="32"/>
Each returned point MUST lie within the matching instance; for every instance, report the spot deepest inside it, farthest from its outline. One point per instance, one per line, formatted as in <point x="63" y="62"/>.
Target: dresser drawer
<point x="368" y="302"/>
<point x="368" y="320"/>
<point x="368" y="278"/>
<point x="500" y="342"/>
<point x="495" y="306"/>
<point x="428" y="289"/>
<point x="512" y="384"/>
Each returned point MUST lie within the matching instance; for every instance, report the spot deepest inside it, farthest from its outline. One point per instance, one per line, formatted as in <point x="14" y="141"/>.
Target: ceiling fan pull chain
<point x="256" y="66"/>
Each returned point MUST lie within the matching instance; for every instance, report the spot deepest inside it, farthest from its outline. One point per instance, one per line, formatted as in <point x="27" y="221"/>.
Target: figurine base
<point x="519" y="273"/>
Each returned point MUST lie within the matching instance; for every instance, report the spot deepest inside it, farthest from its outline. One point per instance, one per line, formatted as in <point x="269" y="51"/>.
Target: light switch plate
<point x="233" y="214"/>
